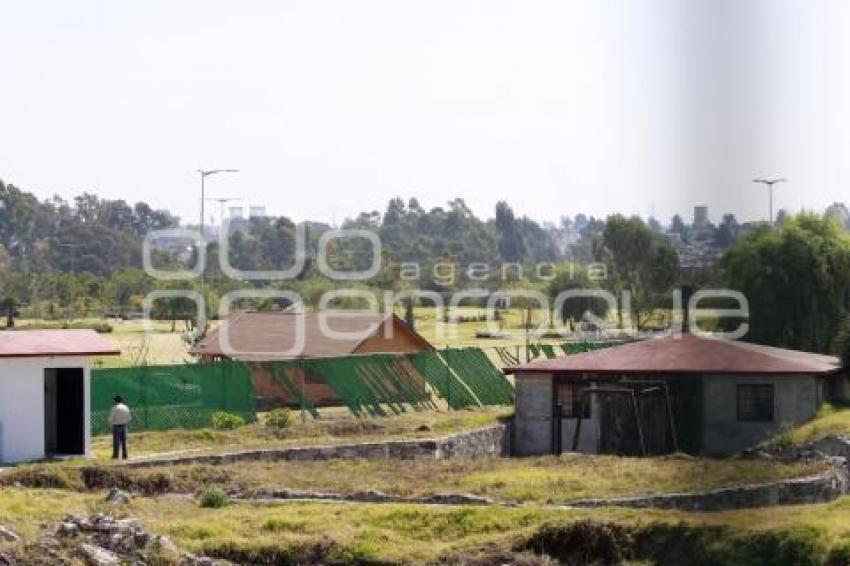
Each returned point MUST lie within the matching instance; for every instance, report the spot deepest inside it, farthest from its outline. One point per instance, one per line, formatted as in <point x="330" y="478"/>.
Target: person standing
<point x="119" y="418"/>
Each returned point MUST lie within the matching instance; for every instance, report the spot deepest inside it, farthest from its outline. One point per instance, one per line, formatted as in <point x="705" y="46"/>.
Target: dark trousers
<point x="119" y="439"/>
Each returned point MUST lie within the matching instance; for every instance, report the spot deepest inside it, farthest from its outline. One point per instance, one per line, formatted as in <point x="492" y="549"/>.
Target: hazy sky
<point x="334" y="107"/>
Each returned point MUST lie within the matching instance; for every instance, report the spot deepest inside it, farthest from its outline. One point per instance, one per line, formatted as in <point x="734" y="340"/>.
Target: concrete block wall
<point x="796" y="399"/>
<point x="532" y="426"/>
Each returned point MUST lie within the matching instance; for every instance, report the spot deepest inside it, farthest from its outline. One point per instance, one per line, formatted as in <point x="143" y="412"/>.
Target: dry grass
<point x="385" y="533"/>
<point x="831" y="419"/>
<point x="546" y="480"/>
<point x="336" y="426"/>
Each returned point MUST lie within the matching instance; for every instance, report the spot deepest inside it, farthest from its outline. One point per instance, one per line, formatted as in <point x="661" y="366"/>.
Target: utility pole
<point x="769" y="184"/>
<point x="222" y="201"/>
<point x="203" y="240"/>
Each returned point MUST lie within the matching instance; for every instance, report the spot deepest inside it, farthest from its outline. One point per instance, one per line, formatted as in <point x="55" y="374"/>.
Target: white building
<point x="45" y="392"/>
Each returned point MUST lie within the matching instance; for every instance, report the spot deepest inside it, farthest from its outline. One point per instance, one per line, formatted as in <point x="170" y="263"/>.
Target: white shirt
<point x="119" y="414"/>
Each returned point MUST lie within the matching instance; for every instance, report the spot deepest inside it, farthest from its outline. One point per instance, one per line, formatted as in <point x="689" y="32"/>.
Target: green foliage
<point x="782" y="440"/>
<point x="796" y="278"/>
<point x="574" y="277"/>
<point x="222" y="420"/>
<point x="213" y="497"/>
<point x="841" y="342"/>
<point x="640" y="262"/>
<point x="279" y="418"/>
<point x="593" y="542"/>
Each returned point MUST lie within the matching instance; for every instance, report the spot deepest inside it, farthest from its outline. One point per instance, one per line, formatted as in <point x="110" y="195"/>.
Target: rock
<point x="96" y="556"/>
<point x="8" y="534"/>
<point x="192" y="560"/>
<point x="368" y="496"/>
<point x="118" y="496"/>
<point x="457" y="499"/>
<point x="423" y="428"/>
<point x="68" y="529"/>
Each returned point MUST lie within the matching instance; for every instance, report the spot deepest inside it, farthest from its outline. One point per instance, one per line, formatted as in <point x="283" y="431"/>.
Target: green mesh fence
<point x="484" y="379"/>
<point x="177" y="396"/>
<point x="570" y="348"/>
<point x="373" y="384"/>
<point x="432" y="367"/>
<point x="285" y="374"/>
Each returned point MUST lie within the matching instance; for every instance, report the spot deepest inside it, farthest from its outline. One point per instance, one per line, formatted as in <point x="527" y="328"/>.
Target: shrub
<point x="222" y="420"/>
<point x="782" y="440"/>
<point x="582" y="542"/>
<point x="279" y="418"/>
<point x="213" y="497"/>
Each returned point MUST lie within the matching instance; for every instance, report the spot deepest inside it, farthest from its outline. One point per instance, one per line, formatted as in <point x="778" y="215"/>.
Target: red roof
<point x="687" y="353"/>
<point x="258" y="336"/>
<point x="36" y="343"/>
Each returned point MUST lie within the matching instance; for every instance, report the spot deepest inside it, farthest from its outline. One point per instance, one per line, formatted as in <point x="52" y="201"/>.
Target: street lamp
<point x="222" y="201"/>
<point x="204" y="174"/>
<point x="769" y="184"/>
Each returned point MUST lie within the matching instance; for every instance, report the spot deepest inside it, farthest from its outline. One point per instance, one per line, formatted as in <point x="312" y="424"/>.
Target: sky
<point x="329" y="108"/>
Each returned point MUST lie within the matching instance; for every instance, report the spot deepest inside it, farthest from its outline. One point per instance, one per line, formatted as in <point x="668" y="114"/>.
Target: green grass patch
<point x="830" y="419"/>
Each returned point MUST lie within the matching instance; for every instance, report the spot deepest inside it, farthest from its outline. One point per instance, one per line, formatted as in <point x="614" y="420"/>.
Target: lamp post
<point x="769" y="184"/>
<point x="204" y="174"/>
<point x="222" y="201"/>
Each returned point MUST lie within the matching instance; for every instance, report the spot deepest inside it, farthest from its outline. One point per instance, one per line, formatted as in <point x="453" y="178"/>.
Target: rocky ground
<point x="97" y="540"/>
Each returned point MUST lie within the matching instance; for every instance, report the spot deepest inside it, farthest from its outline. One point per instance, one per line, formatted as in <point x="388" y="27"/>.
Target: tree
<point x="511" y="245"/>
<point x="9" y="306"/>
<point x="639" y="262"/>
<point x="796" y="278"/>
<point x="838" y="211"/>
<point x="570" y="277"/>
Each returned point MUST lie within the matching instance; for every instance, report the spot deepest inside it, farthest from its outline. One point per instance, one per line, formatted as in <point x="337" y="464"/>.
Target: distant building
<point x="235" y="212"/>
<point x="701" y="221"/>
<point x="257" y="212"/>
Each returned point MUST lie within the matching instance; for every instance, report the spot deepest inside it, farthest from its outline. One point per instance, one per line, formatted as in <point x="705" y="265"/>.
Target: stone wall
<point x="489" y="441"/>
<point x="813" y="489"/>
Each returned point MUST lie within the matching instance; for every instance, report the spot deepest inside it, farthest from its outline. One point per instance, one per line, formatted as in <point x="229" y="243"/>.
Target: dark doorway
<point x="64" y="411"/>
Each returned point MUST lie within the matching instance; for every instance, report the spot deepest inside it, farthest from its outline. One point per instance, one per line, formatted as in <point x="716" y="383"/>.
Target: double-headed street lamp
<point x="769" y="184"/>
<point x="204" y="174"/>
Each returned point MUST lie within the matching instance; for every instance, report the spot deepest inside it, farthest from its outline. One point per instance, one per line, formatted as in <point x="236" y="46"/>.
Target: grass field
<point x="547" y="480"/>
<point x="155" y="343"/>
<point x="336" y="426"/>
<point x="373" y="533"/>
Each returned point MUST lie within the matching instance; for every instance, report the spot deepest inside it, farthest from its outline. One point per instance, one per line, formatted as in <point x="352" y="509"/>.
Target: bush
<point x="213" y="498"/>
<point x="782" y="440"/>
<point x="279" y="418"/>
<point x="222" y="420"/>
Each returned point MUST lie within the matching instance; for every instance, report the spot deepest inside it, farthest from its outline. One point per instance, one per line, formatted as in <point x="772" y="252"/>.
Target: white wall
<point x="22" y="405"/>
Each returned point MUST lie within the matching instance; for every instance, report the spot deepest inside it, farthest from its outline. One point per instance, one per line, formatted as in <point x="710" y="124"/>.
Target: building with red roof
<point x="685" y="392"/>
<point x="44" y="392"/>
